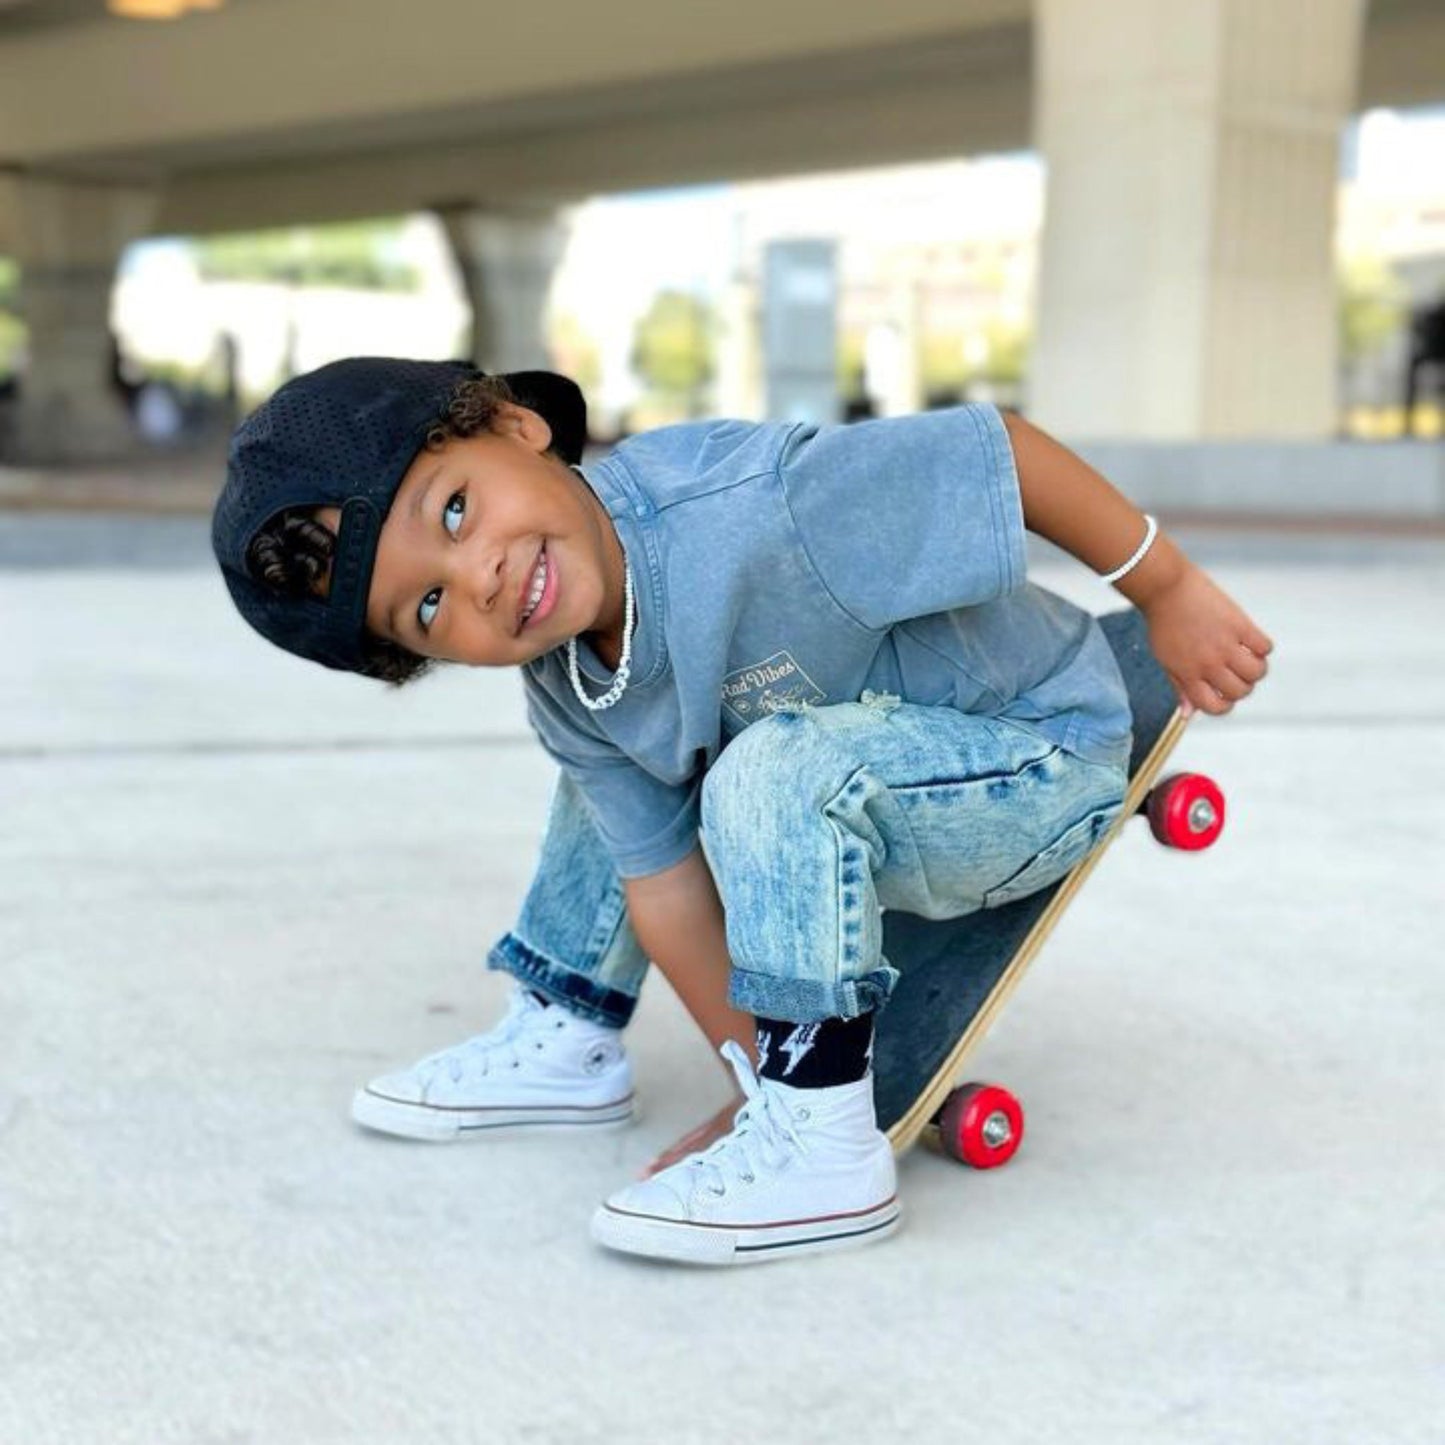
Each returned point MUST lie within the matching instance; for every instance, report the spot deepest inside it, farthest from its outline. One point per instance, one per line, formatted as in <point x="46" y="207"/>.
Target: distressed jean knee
<point x="803" y="927"/>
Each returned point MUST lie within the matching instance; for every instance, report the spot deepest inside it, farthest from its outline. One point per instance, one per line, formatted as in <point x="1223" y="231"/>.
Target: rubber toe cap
<point x="650" y="1197"/>
<point x="404" y="1088"/>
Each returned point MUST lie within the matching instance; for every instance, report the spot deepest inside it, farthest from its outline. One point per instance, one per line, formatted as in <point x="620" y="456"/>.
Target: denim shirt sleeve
<point x="645" y="824"/>
<point x="908" y="516"/>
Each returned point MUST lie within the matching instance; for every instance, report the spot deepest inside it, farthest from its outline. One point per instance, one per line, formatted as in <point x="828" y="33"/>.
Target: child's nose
<point x="484" y="574"/>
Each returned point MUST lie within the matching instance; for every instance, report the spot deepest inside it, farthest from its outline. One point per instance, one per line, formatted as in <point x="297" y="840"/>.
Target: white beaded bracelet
<point x="1150" y="533"/>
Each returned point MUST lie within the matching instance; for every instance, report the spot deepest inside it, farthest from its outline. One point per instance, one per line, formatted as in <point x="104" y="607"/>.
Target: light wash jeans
<point x="814" y="821"/>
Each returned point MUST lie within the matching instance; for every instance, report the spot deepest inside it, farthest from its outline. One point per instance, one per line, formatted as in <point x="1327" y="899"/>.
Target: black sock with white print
<point x="815" y="1056"/>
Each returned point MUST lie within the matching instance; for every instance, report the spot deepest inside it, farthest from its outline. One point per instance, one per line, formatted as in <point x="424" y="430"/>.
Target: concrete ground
<point x="233" y="886"/>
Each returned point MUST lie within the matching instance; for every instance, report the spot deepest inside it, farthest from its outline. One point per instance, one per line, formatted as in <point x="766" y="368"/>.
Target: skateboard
<point x="956" y="974"/>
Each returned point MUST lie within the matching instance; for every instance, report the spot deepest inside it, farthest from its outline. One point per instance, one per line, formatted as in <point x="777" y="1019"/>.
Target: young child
<point x="793" y="675"/>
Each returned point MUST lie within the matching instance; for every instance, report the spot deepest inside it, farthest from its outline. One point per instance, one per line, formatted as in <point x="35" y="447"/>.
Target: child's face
<point x="461" y="543"/>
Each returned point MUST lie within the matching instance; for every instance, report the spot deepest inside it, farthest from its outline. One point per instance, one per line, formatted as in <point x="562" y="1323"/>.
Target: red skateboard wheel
<point x="982" y="1125"/>
<point x="1186" y="810"/>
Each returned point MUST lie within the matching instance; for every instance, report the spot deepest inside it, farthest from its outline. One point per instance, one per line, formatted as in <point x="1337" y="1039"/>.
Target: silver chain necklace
<point x="624" y="666"/>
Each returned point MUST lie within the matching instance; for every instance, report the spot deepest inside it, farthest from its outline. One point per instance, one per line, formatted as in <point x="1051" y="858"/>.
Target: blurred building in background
<point x="1130" y="219"/>
<point x="1391" y="256"/>
<point x="937" y="267"/>
<point x="935" y="264"/>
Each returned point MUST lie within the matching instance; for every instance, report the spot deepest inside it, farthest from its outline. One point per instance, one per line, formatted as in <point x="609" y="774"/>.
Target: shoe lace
<point x="764" y="1134"/>
<point x="500" y="1045"/>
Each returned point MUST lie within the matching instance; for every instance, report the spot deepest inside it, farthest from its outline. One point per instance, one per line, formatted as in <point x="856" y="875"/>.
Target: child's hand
<point x="1211" y="650"/>
<point x="706" y="1133"/>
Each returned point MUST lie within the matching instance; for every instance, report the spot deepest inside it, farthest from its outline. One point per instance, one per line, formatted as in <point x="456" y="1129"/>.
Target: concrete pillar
<point x="68" y="239"/>
<point x="506" y="261"/>
<point x="1187" y="283"/>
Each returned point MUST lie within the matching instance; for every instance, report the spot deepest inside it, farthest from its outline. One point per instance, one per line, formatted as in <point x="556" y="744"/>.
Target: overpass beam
<point x="68" y="240"/>
<point x="506" y="261"/>
<point x="1187" y="285"/>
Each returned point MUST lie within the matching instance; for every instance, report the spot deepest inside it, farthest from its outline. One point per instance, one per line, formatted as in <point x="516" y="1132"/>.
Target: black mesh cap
<point x="343" y="436"/>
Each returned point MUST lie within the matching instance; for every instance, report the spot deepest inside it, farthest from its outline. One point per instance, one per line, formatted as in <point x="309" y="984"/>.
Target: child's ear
<point x="513" y="419"/>
<point x="330" y="518"/>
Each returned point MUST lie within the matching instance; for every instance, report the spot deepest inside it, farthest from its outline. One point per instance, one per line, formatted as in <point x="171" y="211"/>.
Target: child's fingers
<point x="1231" y="688"/>
<point x="1239" y="676"/>
<point x="1256" y="641"/>
<point x="1248" y="665"/>
<point x="1198" y="694"/>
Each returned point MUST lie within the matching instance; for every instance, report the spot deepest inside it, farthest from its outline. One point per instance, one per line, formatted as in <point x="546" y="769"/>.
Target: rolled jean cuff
<point x="807" y="1001"/>
<point x="576" y="992"/>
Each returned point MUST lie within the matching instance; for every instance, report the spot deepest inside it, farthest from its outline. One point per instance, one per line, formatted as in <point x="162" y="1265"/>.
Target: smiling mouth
<point x="539" y="583"/>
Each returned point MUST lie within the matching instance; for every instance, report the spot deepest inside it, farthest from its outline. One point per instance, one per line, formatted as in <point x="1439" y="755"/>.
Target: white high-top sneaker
<point x="539" y="1065"/>
<point x="804" y="1170"/>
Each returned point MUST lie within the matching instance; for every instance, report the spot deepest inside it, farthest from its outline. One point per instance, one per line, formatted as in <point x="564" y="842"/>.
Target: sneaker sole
<point x="754" y="1244"/>
<point x="444" y="1125"/>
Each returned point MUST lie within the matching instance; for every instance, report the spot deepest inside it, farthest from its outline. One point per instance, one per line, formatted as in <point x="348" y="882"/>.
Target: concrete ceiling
<point x="26" y="17"/>
<point x="269" y="111"/>
<point x="495" y="113"/>
<point x="261" y="78"/>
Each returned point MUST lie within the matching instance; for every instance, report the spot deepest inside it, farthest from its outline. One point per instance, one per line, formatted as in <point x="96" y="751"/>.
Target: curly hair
<point x="292" y="553"/>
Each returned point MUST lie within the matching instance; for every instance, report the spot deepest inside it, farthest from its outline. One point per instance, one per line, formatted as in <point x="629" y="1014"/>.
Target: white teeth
<point x="539" y="583"/>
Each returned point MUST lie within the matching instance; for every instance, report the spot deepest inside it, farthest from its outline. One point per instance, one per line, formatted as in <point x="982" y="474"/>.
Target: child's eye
<point x="428" y="609"/>
<point x="459" y="501"/>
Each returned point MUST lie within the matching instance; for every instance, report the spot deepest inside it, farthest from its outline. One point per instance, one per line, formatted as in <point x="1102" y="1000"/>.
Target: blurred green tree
<point x="360" y="254"/>
<point x="849" y="362"/>
<point x="1372" y="305"/>
<point x="997" y="353"/>
<point x="12" y="329"/>
<point x="673" y="347"/>
<point x="575" y="352"/>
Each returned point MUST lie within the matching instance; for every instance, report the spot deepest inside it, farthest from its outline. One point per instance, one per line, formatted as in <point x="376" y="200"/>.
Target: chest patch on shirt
<point x="763" y="688"/>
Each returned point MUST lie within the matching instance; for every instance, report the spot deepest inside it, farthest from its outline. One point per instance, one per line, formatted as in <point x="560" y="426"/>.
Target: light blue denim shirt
<point x="787" y="564"/>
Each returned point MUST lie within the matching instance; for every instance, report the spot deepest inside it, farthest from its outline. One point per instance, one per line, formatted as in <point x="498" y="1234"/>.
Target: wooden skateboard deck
<point x="956" y="974"/>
